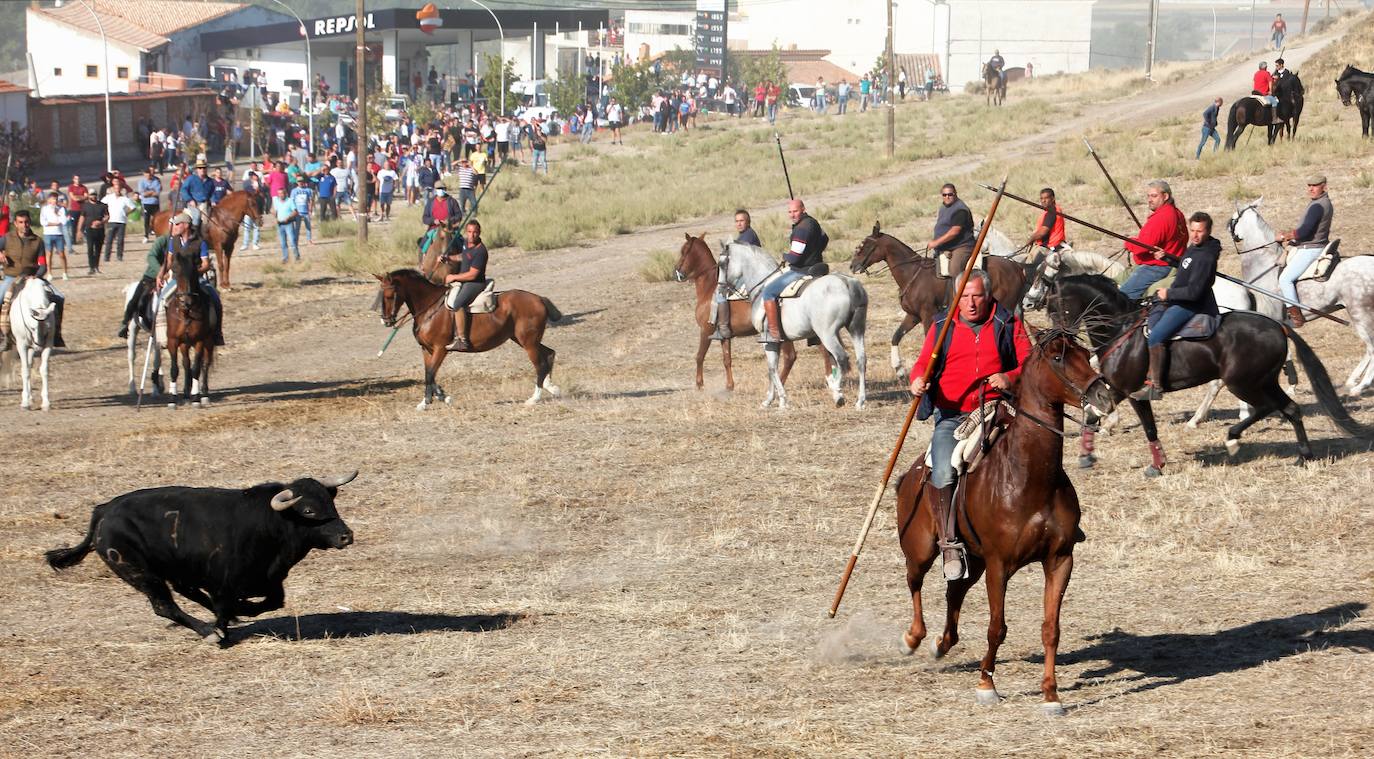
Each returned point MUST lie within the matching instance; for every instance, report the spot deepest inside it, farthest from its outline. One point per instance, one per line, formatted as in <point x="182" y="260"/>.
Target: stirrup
<point x="1150" y="392"/>
<point x="459" y="344"/>
<point x="955" y="559"/>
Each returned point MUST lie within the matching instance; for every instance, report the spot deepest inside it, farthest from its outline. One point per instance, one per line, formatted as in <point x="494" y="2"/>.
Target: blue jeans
<point x="587" y="130"/>
<point x="1169" y="323"/>
<point x="289" y="232"/>
<point x="773" y="113"/>
<point x="540" y="157"/>
<point x="250" y="229"/>
<point x="5" y="286"/>
<point x="776" y="286"/>
<point x="942" y="473"/>
<point x="1216" y="139"/>
<point x="69" y="233"/>
<point x="467" y="195"/>
<point x="1298" y="261"/>
<point x="843" y="103"/>
<point x="309" y="233"/>
<point x="1142" y="277"/>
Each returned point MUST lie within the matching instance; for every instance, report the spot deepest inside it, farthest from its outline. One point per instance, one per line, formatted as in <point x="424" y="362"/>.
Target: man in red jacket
<point x="1164" y="229"/>
<point x="982" y="355"/>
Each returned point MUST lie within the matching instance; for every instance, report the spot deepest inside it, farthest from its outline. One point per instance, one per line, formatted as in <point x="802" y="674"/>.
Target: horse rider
<point x="1164" y="229"/>
<point x="442" y="209"/>
<point x="968" y="372"/>
<point x="1264" y="86"/>
<point x="953" y="229"/>
<point x="470" y="280"/>
<point x="185" y="244"/>
<point x="744" y="234"/>
<point x="23" y="255"/>
<point x="157" y="254"/>
<point x="196" y="191"/>
<point x="1307" y="242"/>
<point x="999" y="64"/>
<point x="804" y="251"/>
<point x="1190" y="295"/>
<point x="1049" y="229"/>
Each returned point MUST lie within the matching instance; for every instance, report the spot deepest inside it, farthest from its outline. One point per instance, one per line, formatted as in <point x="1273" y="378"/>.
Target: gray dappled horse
<point x="830" y="303"/>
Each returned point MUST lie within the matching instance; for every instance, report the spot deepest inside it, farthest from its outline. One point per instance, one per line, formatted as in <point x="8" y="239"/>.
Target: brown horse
<point x="190" y="334"/>
<point x="520" y="316"/>
<point x="923" y="294"/>
<point x="430" y="265"/>
<point x="1018" y="507"/>
<point x="696" y="263"/>
<point x="221" y="230"/>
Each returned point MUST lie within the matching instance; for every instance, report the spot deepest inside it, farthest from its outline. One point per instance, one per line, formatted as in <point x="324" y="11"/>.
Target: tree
<point x="20" y="153"/>
<point x="748" y="71"/>
<point x="635" y="83"/>
<point x="566" y="92"/>
<point x="491" y="80"/>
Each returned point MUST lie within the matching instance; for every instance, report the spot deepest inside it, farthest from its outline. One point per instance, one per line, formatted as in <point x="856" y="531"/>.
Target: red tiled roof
<point x="8" y="86"/>
<point x="141" y="23"/>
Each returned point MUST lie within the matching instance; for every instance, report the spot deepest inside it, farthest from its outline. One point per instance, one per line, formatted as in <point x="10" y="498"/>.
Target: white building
<point x="1054" y="35"/>
<point x="67" y="43"/>
<point x="14" y="105"/>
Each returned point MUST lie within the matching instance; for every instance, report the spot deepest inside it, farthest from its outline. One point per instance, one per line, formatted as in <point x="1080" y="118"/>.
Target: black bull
<point x="218" y="547"/>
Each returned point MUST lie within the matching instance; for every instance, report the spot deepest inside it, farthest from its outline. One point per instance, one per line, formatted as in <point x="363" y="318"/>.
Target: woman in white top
<point x="120" y="205"/>
<point x="53" y="217"/>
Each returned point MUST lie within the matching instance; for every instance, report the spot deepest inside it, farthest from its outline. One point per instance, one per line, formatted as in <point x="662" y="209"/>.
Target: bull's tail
<point x="554" y="313"/>
<point x="62" y="558"/>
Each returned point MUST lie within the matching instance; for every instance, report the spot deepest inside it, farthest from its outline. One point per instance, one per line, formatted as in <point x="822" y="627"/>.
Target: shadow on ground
<point x="361" y="624"/>
<point x="1154" y="661"/>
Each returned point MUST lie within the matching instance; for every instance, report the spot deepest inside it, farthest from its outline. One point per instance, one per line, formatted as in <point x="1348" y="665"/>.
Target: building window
<point x="122" y="72"/>
<point x="680" y="30"/>
<point x="92" y="72"/>
<point x="57" y="72"/>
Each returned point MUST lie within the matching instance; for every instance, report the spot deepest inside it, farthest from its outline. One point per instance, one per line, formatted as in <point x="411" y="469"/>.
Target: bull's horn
<point x="334" y="482"/>
<point x="284" y="500"/>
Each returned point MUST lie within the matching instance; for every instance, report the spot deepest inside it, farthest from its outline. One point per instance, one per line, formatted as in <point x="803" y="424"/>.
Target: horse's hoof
<point x="214" y="637"/>
<point x="422" y="406"/>
<point x="839" y="402"/>
<point x="554" y="390"/>
<point x="47" y="406"/>
<point x="1191" y="424"/>
<point x="859" y="403"/>
<point x="1153" y="471"/>
<point x="1052" y="709"/>
<point x="906" y="648"/>
<point x="24" y="406"/>
<point x="987" y="696"/>
<point x="1232" y="446"/>
<point x="448" y="400"/>
<point x="1087" y="461"/>
<point x="933" y="648"/>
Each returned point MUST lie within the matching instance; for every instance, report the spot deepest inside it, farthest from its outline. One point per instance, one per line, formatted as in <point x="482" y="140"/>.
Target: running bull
<point x="218" y="547"/>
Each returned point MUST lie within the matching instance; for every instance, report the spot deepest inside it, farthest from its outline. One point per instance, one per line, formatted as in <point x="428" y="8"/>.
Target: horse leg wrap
<point x="1088" y="440"/>
<point x="1157" y="455"/>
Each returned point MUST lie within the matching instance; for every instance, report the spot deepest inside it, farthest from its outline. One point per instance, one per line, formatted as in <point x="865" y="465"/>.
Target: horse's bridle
<point x="1235" y="239"/>
<point x="730" y="287"/>
<point x="1055" y="366"/>
<point x="394" y="304"/>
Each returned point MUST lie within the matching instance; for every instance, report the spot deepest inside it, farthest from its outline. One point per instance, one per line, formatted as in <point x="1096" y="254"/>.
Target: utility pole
<point x="1306" y="6"/>
<point x="891" y="82"/>
<point x="1150" y="29"/>
<point x="360" y="166"/>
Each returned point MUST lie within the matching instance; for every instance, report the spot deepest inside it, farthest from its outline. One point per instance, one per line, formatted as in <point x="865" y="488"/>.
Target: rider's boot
<point x="954" y="556"/>
<point x="130" y="309"/>
<point x="1295" y="316"/>
<point x="772" y="323"/>
<point x="460" y="332"/>
<point x="1154" y="383"/>
<point x="722" y="322"/>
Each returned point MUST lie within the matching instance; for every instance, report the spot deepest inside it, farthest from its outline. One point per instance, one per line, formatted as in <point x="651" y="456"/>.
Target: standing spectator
<point x="760" y="91"/>
<point x="53" y="218"/>
<point x="901" y="83"/>
<point x="467" y="180"/>
<point x="251" y="228"/>
<point x="276" y="181"/>
<point x="76" y="199"/>
<point x="329" y="207"/>
<point x="342" y="189"/>
<point x="156" y="141"/>
<point x="303" y="197"/>
<point x="842" y="96"/>
<point x="1209" y="127"/>
<point x="539" y="147"/>
<point x="387" y="180"/>
<point x="119" y="206"/>
<point x="503" y="130"/>
<point x="427" y="178"/>
<point x="219" y="187"/>
<point x="1278" y="30"/>
<point x="729" y="97"/>
<point x="478" y="161"/>
<point x="149" y="194"/>
<point x="518" y="134"/>
<point x="774" y="92"/>
<point x="865" y="91"/>
<point x="284" y="209"/>
<point x="169" y="148"/>
<point x="94" y="215"/>
<point x="930" y="80"/>
<point x="616" y="116"/>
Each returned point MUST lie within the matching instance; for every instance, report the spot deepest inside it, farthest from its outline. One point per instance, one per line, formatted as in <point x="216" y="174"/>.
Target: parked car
<point x="800" y="95"/>
<point x="396" y="107"/>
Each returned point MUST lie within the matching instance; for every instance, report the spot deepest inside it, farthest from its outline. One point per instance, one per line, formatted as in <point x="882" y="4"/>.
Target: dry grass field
<point x="642" y="569"/>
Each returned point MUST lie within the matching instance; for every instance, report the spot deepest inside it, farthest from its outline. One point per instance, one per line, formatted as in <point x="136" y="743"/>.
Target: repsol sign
<point x="325" y="27"/>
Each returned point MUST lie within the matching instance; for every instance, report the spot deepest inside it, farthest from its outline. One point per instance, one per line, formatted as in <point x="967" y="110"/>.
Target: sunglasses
<point x="946" y="194"/>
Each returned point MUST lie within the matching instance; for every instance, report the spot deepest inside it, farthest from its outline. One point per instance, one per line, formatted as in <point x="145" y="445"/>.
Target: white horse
<point x="831" y="303"/>
<point x="136" y="325"/>
<point x="33" y="323"/>
<point x="1351" y="285"/>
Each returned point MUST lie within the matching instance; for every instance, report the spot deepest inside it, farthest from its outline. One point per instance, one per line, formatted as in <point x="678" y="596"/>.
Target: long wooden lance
<point x="1112" y="182"/>
<point x="911" y="412"/>
<point x="1276" y="296"/>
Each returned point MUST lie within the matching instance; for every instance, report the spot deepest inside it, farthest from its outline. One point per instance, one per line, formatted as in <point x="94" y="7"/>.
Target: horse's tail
<point x="62" y="558"/>
<point x="1231" y="125"/>
<point x="554" y="313"/>
<point x="1325" y="392"/>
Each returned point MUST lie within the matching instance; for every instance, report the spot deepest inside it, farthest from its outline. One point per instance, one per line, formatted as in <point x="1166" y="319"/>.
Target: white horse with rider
<point x="33" y="325"/>
<point x="828" y="304"/>
<point x="145" y="319"/>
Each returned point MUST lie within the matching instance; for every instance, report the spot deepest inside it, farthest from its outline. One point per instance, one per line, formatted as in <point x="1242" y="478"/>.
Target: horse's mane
<point x="1100" y="288"/>
<point x="1352" y="71"/>
<point x="1089" y="262"/>
<point x="408" y="273"/>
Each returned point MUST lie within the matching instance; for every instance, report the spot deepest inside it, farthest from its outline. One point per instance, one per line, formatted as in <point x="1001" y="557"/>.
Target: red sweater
<point x="972" y="358"/>
<point x="1263" y="81"/>
<point x="1164" y="229"/>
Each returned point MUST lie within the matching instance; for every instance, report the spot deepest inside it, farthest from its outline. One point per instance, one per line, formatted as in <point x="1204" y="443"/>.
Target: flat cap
<point x="1316" y="179"/>
<point x="181" y="218"/>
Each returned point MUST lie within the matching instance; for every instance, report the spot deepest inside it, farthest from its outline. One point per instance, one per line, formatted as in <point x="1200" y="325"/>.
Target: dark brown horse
<point x="190" y="335"/>
<point x="696" y="263"/>
<point x="1018" y="507"/>
<point x="520" y="316"/>
<point x="923" y="294"/>
<point x="221" y="230"/>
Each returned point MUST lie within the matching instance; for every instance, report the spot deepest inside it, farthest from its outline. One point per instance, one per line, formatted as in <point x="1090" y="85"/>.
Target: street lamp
<point x="109" y="143"/>
<point x="308" y="91"/>
<point x="948" y="10"/>
<point x="502" y="57"/>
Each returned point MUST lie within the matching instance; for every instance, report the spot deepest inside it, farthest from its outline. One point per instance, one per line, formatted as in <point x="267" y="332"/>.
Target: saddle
<point x="1200" y="327"/>
<point x="484" y="303"/>
<point x="942" y="266"/>
<point x="976" y="435"/>
<point x="797" y="287"/>
<point x="1320" y="269"/>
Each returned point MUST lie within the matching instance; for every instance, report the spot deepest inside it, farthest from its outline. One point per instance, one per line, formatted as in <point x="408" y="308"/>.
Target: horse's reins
<point x="733" y="288"/>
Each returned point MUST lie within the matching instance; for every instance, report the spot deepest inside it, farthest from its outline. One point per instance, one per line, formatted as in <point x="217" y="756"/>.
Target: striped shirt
<point x="467" y="178"/>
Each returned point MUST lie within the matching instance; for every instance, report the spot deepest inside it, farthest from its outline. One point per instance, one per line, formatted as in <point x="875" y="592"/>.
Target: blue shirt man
<point x="197" y="187"/>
